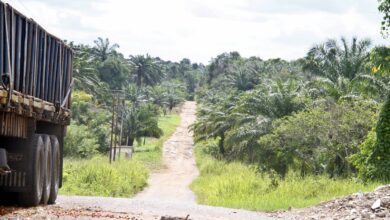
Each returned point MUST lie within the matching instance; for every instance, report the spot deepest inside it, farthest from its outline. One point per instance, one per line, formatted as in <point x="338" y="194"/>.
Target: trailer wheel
<point x="33" y="197"/>
<point x="48" y="169"/>
<point x="56" y="169"/>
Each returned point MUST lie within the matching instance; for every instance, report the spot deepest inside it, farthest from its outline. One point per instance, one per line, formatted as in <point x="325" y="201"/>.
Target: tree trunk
<point x="251" y="156"/>
<point x="130" y="141"/>
<point x="221" y="145"/>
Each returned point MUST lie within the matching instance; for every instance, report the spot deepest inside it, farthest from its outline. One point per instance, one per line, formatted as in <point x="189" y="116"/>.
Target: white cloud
<point x="201" y="29"/>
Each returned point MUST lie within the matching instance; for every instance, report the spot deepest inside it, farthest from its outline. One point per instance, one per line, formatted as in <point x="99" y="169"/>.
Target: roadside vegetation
<point x="96" y="177"/>
<point x="151" y="92"/>
<point x="239" y="185"/>
<point x="270" y="134"/>
<point x="273" y="134"/>
<point x="150" y="152"/>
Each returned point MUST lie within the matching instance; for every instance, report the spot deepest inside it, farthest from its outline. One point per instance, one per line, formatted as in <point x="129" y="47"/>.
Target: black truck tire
<point x="48" y="169"/>
<point x="56" y="169"/>
<point x="34" y="197"/>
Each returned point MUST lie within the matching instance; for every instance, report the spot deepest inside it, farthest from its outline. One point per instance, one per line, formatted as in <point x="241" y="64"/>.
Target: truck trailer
<point x="35" y="90"/>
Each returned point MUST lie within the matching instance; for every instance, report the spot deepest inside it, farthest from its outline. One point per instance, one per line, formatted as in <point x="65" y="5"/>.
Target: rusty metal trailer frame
<point x="36" y="70"/>
<point x="36" y="79"/>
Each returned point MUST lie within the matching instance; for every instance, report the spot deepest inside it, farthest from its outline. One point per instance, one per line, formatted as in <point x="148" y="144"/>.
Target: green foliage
<point x="96" y="120"/>
<point x="307" y="116"/>
<point x="317" y="140"/>
<point x="146" y="70"/>
<point x="373" y="159"/>
<point x="103" y="49"/>
<point x="384" y="8"/>
<point x="332" y="61"/>
<point x="380" y="60"/>
<point x="81" y="104"/>
<point x="361" y="159"/>
<point x="96" y="177"/>
<point x="236" y="185"/>
<point x="141" y="121"/>
<point x="114" y="72"/>
<point x="149" y="150"/>
<point x="79" y="142"/>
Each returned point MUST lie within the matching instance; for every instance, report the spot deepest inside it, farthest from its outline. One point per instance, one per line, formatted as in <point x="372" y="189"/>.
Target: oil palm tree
<point x="146" y="70"/>
<point x="362" y="86"/>
<point x="103" y="48"/>
<point x="332" y="60"/>
<point x="85" y="73"/>
<point x="242" y="79"/>
<point x="141" y="121"/>
<point x="214" y="121"/>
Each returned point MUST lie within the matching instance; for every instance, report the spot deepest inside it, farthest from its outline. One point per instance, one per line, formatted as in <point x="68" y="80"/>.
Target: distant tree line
<point x="149" y="85"/>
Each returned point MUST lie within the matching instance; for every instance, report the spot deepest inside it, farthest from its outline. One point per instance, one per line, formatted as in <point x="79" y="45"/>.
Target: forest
<point x="263" y="126"/>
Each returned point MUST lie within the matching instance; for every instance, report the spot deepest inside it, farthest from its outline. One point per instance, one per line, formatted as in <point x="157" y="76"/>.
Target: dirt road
<point x="179" y="167"/>
<point x="168" y="193"/>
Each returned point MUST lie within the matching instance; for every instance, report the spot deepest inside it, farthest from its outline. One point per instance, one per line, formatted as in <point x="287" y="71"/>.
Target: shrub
<point x="373" y="160"/>
<point x="79" y="142"/>
<point x="361" y="159"/>
<point x="317" y="140"/>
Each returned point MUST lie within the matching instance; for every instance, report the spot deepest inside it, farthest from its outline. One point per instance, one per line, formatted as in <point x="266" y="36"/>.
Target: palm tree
<point x="221" y="65"/>
<point x="103" y="49"/>
<point x="85" y="73"/>
<point x="141" y="121"/>
<point x="342" y="70"/>
<point x="255" y="112"/>
<point x="213" y="124"/>
<point x="158" y="95"/>
<point x="247" y="130"/>
<point x="242" y="79"/>
<point x="214" y="121"/>
<point x="273" y="99"/>
<point x="330" y="60"/>
<point x="135" y="95"/>
<point x="362" y="86"/>
<point x="146" y="70"/>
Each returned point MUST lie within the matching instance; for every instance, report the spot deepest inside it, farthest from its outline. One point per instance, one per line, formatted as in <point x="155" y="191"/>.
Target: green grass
<point x="236" y="185"/>
<point x="150" y="154"/>
<point x="96" y="177"/>
<point x="123" y="178"/>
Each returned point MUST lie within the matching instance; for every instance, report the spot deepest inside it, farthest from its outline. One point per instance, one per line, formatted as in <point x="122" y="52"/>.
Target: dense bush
<point x="361" y="159"/>
<point x="80" y="142"/>
<point x="373" y="160"/>
<point x="317" y="140"/>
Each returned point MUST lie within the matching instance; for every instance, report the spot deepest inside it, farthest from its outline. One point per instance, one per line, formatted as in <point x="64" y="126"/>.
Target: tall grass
<point x="96" y="177"/>
<point x="123" y="178"/>
<point x="237" y="185"/>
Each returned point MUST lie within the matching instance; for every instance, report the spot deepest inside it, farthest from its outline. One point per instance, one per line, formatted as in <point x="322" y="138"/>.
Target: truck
<point x="35" y="97"/>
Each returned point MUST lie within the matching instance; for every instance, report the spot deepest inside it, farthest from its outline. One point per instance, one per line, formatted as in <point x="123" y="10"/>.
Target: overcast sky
<point x="201" y="29"/>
